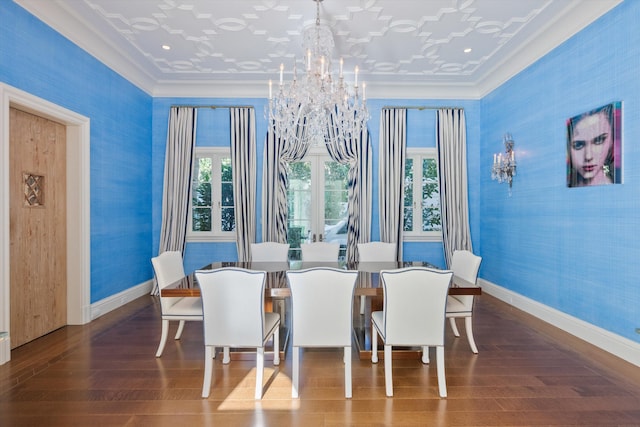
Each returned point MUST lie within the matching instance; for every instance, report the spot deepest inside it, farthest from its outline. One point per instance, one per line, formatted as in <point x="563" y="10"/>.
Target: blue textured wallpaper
<point x="40" y="61"/>
<point x="573" y="249"/>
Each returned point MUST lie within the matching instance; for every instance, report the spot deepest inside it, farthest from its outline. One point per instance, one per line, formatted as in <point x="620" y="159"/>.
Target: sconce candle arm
<point x="504" y="167"/>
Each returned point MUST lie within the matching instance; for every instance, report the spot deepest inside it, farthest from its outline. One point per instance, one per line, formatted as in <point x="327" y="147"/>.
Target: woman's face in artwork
<point x="591" y="144"/>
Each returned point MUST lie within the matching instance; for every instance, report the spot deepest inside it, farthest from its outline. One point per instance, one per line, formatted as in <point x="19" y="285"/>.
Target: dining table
<point x="278" y="293"/>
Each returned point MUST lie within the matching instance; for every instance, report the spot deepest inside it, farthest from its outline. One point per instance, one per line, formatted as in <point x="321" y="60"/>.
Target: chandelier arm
<point x="314" y="108"/>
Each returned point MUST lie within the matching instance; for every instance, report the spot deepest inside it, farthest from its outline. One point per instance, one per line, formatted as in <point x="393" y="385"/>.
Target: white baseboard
<point x="97" y="309"/>
<point x="5" y="351"/>
<point x="118" y="300"/>
<point x="615" y="344"/>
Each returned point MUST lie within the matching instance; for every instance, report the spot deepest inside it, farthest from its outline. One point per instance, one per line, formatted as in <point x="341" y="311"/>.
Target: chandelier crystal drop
<point x="317" y="107"/>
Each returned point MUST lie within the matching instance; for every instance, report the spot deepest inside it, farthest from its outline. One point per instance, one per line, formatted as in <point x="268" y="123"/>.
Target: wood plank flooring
<point x="105" y="374"/>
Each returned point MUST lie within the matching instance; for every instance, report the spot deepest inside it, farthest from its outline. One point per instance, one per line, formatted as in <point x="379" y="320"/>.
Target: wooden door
<point x="38" y="226"/>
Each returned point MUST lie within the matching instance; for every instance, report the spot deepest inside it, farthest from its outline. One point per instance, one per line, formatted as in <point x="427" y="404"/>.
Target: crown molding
<point x="576" y="17"/>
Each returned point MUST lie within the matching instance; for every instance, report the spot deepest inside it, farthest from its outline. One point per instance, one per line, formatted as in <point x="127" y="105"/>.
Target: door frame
<point x="78" y="207"/>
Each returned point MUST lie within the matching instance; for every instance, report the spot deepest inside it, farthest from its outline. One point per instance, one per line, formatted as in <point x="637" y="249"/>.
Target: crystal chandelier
<point x="504" y="166"/>
<point x="317" y="107"/>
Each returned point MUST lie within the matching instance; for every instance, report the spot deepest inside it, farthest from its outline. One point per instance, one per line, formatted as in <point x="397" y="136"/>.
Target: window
<point x="212" y="213"/>
<point x="317" y="199"/>
<point x="422" y="219"/>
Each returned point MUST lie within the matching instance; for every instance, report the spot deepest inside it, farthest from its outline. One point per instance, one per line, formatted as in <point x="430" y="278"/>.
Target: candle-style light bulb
<point x="341" y="64"/>
<point x="356" y="80"/>
<point x="281" y="73"/>
<point x="364" y="94"/>
<point x="270" y="90"/>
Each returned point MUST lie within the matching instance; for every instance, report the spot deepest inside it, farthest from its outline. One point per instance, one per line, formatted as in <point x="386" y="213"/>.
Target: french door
<point x="317" y="200"/>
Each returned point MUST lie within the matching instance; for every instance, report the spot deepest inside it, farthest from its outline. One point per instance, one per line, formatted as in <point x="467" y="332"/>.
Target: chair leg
<point x="363" y="303"/>
<point x="226" y="357"/>
<point x="208" y="370"/>
<point x="469" y="329"/>
<point x="295" y="372"/>
<point x="163" y="337"/>
<point x="276" y="347"/>
<point x="374" y="344"/>
<point x="347" y="372"/>
<point x="259" y="371"/>
<point x="454" y="327"/>
<point x="388" y="374"/>
<point x="425" y="354"/>
<point x="442" y="381"/>
<point x="180" y="329"/>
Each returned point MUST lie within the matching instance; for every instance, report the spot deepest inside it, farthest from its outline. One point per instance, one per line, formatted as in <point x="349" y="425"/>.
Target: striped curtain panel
<point x="243" y="165"/>
<point x="277" y="153"/>
<point x="393" y="141"/>
<point x="356" y="153"/>
<point x="181" y="140"/>
<point x="451" y="140"/>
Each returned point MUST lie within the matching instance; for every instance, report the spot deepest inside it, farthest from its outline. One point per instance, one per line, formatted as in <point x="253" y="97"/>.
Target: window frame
<point x="418" y="155"/>
<point x="216" y="234"/>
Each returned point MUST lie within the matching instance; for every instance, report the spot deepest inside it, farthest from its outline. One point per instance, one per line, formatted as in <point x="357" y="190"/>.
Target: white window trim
<point x="210" y="236"/>
<point x="419" y="154"/>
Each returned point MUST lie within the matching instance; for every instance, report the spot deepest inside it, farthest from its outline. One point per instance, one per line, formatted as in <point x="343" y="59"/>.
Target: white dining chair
<point x="313" y="325"/>
<point x="269" y="252"/>
<point x="465" y="265"/>
<point x="375" y="252"/>
<point x="168" y="268"/>
<point x="320" y="252"/>
<point x="413" y="316"/>
<point x="234" y="316"/>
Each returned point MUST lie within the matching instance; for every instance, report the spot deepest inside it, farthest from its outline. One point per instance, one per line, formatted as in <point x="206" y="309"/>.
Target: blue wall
<point x="574" y="249"/>
<point x="213" y="130"/>
<point x="38" y="60"/>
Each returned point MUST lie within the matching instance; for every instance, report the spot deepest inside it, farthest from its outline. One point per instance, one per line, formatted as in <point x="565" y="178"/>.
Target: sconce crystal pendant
<point x="317" y="107"/>
<point x="504" y="166"/>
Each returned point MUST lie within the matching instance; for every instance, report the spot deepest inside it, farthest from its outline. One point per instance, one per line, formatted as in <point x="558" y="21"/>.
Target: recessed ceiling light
<point x="467" y="50"/>
<point x="166" y="47"/>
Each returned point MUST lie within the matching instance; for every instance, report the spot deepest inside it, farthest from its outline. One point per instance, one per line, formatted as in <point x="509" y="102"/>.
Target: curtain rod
<point x="213" y="107"/>
<point x="419" y="107"/>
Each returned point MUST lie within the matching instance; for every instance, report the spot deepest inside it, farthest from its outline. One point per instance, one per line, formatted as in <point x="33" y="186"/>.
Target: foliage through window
<point x="422" y="218"/>
<point x="212" y="208"/>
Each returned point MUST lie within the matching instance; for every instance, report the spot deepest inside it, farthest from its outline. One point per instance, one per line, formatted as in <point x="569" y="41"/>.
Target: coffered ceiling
<point x="403" y="48"/>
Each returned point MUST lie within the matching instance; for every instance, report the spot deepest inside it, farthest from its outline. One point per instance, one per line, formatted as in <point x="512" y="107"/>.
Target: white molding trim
<point x="78" y="207"/>
<point x="113" y="302"/>
<point x="577" y="15"/>
<point x="617" y="345"/>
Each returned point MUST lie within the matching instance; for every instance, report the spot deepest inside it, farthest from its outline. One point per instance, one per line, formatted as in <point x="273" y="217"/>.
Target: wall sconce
<point x="504" y="166"/>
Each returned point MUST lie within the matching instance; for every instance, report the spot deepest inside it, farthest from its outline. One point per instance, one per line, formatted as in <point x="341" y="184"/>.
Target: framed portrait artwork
<point x="594" y="147"/>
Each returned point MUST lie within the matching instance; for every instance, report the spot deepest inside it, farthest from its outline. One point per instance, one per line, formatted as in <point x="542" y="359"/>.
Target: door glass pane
<point x="201" y="195"/>
<point x="430" y="196"/>
<point x="299" y="206"/>
<point x="227" y="213"/>
<point x="336" y="203"/>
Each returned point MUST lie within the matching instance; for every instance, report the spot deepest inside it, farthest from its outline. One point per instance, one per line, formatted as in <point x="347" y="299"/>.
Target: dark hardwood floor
<point x="105" y="374"/>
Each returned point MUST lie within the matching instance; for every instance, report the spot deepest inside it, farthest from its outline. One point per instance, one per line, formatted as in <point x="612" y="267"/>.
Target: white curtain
<point x="277" y="153"/>
<point x="357" y="154"/>
<point x="452" y="167"/>
<point x="243" y="165"/>
<point x="393" y="141"/>
<point x="181" y="139"/>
